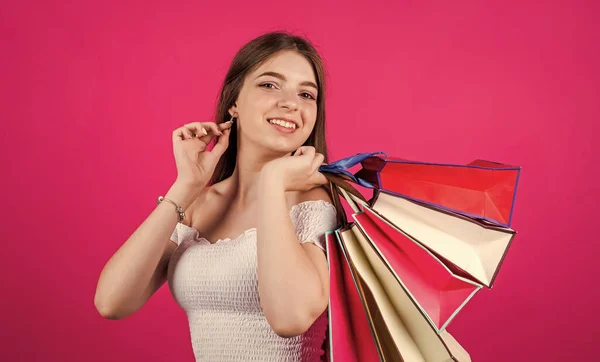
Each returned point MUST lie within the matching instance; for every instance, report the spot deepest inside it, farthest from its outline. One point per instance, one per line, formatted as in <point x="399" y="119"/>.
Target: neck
<point x="246" y="175"/>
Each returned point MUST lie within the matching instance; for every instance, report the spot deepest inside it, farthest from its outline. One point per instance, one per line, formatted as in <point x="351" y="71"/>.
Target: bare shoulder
<point x="315" y="194"/>
<point x="199" y="201"/>
<point x="208" y="198"/>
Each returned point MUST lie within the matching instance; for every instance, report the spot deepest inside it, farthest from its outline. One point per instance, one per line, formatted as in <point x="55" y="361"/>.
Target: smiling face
<point x="277" y="105"/>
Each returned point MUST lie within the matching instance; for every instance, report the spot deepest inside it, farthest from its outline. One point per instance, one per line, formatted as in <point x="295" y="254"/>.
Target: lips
<point x="284" y="123"/>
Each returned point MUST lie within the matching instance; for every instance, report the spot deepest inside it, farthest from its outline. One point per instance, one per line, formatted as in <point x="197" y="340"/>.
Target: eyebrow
<point x="280" y="76"/>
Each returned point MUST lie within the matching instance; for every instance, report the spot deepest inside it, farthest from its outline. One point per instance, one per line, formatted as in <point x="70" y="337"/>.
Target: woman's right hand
<point x="195" y="165"/>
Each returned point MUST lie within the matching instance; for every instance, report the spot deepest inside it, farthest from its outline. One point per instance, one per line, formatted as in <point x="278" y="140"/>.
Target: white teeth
<point x="283" y="123"/>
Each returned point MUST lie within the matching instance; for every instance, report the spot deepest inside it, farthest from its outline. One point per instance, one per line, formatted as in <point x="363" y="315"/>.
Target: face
<point x="277" y="105"/>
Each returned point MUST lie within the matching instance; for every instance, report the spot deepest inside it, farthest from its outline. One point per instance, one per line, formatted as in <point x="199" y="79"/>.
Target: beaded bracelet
<point x="178" y="208"/>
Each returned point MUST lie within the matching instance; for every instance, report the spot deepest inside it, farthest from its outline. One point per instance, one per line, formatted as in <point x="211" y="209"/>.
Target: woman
<point x="246" y="258"/>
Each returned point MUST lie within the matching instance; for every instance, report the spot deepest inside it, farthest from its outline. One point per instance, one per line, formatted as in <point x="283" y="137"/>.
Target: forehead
<point x="290" y="64"/>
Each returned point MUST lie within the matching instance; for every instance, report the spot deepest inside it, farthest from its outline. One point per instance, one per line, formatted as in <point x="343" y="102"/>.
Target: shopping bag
<point x="435" y="288"/>
<point x="351" y="337"/>
<point x="481" y="189"/>
<point x="399" y="329"/>
<point x="376" y="316"/>
<point x="469" y="247"/>
<point x="400" y="253"/>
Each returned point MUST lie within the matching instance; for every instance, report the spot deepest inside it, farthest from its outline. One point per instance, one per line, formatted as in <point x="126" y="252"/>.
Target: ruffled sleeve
<point x="312" y="219"/>
<point x="175" y="235"/>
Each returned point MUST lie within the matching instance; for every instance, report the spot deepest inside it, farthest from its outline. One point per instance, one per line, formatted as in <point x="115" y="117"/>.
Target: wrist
<point x="271" y="180"/>
<point x="183" y="194"/>
<point x="192" y="185"/>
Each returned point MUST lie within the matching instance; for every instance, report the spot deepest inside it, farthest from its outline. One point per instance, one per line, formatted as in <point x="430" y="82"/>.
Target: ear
<point x="233" y="110"/>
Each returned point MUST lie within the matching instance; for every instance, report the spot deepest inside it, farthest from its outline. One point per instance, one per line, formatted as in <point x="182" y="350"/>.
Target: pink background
<point x="91" y="93"/>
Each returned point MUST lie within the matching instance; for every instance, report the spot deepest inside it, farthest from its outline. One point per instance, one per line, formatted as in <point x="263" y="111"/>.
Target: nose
<point x="288" y="101"/>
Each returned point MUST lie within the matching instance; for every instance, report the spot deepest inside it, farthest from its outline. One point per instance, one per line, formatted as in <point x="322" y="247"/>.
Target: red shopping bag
<point x="481" y="189"/>
<point x="400" y="331"/>
<point x="350" y="335"/>
<point x="438" y="291"/>
<point x="469" y="247"/>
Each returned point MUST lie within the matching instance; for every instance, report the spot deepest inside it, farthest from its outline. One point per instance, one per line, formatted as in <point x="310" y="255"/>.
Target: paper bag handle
<point x="337" y="186"/>
<point x="342" y="166"/>
<point x="350" y="200"/>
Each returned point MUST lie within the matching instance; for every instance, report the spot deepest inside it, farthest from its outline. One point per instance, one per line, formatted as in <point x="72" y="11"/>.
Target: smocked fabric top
<point x="217" y="287"/>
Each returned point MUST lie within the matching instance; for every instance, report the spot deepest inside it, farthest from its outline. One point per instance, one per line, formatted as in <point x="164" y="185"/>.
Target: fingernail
<point x="204" y="131"/>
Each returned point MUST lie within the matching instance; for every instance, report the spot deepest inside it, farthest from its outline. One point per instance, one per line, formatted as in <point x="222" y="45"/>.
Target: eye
<point x="267" y="85"/>
<point x="307" y="95"/>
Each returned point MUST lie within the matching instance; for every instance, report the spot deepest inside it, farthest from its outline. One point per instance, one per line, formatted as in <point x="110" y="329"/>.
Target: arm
<point x="293" y="278"/>
<point x="139" y="267"/>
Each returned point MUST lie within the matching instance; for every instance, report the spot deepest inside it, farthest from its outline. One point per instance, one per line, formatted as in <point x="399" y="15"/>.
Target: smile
<point x="283" y="125"/>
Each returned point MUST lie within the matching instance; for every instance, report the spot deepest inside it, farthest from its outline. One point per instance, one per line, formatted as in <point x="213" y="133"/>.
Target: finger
<point x="211" y="129"/>
<point x="214" y="128"/>
<point x="225" y="125"/>
<point x="317" y="161"/>
<point x="319" y="179"/>
<point x="195" y="127"/>
<point x="222" y="143"/>
<point x="193" y="130"/>
<point x="300" y="151"/>
<point x="200" y="127"/>
<point x="187" y="134"/>
<point x="308" y="151"/>
<point x="200" y="131"/>
<point x="178" y="135"/>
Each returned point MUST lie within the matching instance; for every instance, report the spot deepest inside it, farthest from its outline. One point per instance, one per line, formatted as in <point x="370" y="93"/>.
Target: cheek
<point x="260" y="99"/>
<point x="310" y="114"/>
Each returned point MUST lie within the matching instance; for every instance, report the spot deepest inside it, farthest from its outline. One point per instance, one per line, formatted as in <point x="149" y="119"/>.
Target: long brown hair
<point x="247" y="59"/>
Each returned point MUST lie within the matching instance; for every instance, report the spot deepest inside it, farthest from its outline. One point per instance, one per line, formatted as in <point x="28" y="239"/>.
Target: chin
<point x="282" y="145"/>
<point x="275" y="142"/>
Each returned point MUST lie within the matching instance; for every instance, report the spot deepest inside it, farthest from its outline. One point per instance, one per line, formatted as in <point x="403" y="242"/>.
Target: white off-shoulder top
<point x="217" y="287"/>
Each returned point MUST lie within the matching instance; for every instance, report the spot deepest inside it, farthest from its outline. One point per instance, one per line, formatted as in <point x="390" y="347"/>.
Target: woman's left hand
<point x="299" y="172"/>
